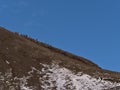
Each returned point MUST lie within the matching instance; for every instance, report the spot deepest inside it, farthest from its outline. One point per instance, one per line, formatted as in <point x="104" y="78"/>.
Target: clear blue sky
<point x="89" y="28"/>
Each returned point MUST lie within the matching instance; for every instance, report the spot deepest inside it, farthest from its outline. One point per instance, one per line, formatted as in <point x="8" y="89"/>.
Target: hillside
<point x="27" y="64"/>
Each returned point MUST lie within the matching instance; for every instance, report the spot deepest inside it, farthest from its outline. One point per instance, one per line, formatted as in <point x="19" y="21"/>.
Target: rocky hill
<point x="27" y="64"/>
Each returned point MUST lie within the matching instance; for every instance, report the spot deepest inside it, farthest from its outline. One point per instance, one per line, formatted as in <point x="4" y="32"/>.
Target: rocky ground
<point x="27" y="64"/>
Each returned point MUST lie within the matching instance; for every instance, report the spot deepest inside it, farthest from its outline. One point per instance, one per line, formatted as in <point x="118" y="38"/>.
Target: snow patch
<point x="64" y="79"/>
<point x="54" y="77"/>
<point x="8" y="82"/>
<point x="7" y="62"/>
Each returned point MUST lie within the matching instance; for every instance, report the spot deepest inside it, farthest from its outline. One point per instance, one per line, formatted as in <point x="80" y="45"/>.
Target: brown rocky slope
<point x="23" y="61"/>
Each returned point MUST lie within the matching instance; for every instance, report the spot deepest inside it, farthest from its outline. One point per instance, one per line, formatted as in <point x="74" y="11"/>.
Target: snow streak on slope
<point x="54" y="77"/>
<point x="64" y="79"/>
<point x="7" y="82"/>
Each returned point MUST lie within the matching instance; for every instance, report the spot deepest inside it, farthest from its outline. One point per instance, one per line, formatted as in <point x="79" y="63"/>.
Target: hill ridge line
<point x="57" y="50"/>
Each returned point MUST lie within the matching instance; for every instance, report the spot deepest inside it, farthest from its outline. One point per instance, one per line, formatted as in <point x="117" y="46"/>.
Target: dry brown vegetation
<point x="24" y="52"/>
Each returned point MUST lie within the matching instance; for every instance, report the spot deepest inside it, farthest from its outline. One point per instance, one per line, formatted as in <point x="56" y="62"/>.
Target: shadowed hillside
<point x="23" y="59"/>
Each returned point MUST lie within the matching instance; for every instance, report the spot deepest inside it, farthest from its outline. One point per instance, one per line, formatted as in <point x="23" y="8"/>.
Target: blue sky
<point x="88" y="28"/>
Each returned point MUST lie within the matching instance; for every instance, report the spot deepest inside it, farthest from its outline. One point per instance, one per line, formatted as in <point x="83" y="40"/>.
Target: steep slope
<point x="26" y="64"/>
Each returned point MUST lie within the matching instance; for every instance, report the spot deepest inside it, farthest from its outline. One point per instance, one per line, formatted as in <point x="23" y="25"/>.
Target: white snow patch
<point x="7" y="62"/>
<point x="23" y="83"/>
<point x="54" y="77"/>
<point x="6" y="79"/>
<point x="64" y="79"/>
